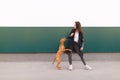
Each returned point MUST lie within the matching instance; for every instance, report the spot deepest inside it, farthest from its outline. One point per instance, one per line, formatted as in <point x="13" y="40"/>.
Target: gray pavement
<point x="35" y="66"/>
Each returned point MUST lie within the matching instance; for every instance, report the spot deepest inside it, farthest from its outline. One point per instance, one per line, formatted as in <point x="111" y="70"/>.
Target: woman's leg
<point x="82" y="57"/>
<point x="69" y="53"/>
<point x="80" y="53"/>
<point x="70" y="60"/>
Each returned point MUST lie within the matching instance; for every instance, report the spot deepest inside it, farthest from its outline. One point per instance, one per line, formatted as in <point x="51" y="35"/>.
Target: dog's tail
<point x="54" y="60"/>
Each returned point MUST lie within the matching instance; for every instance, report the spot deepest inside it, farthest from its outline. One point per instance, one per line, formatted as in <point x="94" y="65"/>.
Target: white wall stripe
<point x="92" y="13"/>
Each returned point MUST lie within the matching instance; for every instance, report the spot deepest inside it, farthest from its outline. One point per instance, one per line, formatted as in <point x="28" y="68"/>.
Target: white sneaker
<point x="88" y="67"/>
<point x="70" y="67"/>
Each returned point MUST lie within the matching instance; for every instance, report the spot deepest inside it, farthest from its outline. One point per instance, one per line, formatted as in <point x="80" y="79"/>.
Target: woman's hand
<point x="81" y="49"/>
<point x="71" y="34"/>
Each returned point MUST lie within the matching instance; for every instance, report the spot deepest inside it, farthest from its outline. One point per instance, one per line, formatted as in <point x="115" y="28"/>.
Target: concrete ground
<point x="36" y="66"/>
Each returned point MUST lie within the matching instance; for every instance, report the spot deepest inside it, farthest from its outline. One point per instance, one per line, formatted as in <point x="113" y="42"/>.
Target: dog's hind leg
<point x="58" y="63"/>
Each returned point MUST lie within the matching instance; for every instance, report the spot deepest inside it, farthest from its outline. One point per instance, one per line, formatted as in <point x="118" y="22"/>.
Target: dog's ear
<point x="64" y="37"/>
<point x="60" y="40"/>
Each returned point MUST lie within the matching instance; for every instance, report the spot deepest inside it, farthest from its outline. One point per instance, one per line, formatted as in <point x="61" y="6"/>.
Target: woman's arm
<point x="82" y="43"/>
<point x="71" y="34"/>
<point x="82" y="46"/>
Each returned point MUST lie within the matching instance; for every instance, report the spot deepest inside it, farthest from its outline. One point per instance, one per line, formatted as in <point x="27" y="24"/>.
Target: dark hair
<point x="78" y="27"/>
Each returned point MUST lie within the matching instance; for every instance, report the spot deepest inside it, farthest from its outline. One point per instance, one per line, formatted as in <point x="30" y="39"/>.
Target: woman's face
<point x="74" y="26"/>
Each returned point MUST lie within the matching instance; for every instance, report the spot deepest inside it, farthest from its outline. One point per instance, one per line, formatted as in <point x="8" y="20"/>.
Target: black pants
<point x="77" y="50"/>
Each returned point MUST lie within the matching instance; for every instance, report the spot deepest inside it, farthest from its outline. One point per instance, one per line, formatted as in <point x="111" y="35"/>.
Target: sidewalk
<point x="36" y="57"/>
<point x="106" y="66"/>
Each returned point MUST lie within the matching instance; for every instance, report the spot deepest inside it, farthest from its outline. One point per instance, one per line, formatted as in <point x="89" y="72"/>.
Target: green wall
<point x="102" y="39"/>
<point x="46" y="39"/>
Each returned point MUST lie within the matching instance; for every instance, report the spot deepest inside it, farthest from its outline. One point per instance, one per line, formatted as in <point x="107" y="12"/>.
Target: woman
<point x="76" y="44"/>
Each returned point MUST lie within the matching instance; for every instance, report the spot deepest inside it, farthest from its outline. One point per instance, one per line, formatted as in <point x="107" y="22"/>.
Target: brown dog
<point x="60" y="52"/>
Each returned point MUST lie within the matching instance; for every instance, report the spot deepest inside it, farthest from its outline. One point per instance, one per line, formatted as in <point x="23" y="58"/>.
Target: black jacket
<point x="71" y="40"/>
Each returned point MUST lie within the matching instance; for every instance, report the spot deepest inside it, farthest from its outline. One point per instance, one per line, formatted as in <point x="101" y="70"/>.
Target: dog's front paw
<point x="68" y="50"/>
